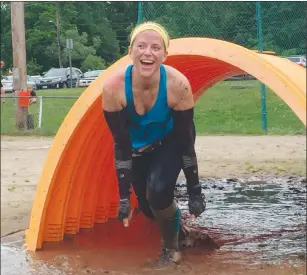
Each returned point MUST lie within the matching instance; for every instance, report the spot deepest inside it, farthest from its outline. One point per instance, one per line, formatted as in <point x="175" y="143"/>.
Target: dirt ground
<point x="22" y="160"/>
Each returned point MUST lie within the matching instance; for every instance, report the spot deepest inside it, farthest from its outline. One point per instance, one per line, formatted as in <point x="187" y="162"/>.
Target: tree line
<point x="100" y="30"/>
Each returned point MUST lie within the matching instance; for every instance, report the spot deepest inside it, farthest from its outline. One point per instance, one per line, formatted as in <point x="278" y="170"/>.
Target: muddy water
<point x="254" y="222"/>
<point x="268" y="218"/>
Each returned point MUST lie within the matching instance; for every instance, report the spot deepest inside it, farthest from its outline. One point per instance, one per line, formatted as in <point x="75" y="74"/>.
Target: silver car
<point x="298" y="59"/>
<point x="89" y="77"/>
<point x="7" y="82"/>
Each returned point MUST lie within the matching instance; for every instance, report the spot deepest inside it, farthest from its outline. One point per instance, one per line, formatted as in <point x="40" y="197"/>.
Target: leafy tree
<point x="100" y="30"/>
<point x="93" y="62"/>
<point x="80" y="49"/>
<point x="33" y="68"/>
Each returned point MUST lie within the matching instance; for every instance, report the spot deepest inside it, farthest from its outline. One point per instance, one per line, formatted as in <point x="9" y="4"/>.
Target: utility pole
<point x="19" y="60"/>
<point x="58" y="32"/>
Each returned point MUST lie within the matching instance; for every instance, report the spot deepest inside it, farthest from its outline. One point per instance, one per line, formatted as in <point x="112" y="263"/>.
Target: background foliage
<point x="100" y="30"/>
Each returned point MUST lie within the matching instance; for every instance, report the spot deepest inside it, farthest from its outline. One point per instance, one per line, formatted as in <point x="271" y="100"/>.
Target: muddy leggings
<point x="154" y="177"/>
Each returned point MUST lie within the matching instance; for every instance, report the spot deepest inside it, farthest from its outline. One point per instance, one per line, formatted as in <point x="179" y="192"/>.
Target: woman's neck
<point x="145" y="83"/>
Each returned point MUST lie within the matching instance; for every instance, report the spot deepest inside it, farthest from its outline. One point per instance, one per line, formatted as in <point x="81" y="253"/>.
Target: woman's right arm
<point x="116" y="119"/>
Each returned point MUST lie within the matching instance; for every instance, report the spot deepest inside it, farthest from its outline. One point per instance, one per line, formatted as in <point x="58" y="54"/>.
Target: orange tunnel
<point x="78" y="186"/>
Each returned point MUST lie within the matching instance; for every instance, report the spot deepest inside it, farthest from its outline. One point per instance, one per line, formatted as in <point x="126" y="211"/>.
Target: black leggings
<point x="154" y="177"/>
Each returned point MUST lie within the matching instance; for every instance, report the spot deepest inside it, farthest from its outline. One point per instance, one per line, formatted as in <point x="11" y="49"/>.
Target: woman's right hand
<point x="125" y="212"/>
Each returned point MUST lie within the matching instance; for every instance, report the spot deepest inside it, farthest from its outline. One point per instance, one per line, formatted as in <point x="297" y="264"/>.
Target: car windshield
<point x="8" y="78"/>
<point x="294" y="59"/>
<point x="55" y="72"/>
<point x="93" y="73"/>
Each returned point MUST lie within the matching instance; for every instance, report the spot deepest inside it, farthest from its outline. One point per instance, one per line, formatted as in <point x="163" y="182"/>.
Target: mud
<point x="267" y="218"/>
<point x="259" y="223"/>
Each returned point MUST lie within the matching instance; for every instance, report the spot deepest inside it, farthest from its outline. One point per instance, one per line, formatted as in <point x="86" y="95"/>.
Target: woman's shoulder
<point x="113" y="89"/>
<point x="175" y="77"/>
<point x="115" y="80"/>
<point x="174" y="74"/>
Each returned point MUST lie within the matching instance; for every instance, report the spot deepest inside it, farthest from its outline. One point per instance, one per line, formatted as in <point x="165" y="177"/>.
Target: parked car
<point x="241" y="77"/>
<point x="298" y="59"/>
<point x="36" y="78"/>
<point x="59" y="78"/>
<point x="89" y="77"/>
<point x="7" y="82"/>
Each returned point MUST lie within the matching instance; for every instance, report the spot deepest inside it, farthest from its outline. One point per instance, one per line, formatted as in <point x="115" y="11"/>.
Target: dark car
<point x="59" y="78"/>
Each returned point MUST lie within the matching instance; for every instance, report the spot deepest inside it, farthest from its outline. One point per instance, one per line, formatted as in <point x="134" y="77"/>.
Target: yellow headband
<point x="151" y="26"/>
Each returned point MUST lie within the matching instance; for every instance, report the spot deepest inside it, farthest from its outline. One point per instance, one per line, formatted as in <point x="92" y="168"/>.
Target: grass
<point x="220" y="111"/>
<point x="225" y="111"/>
<point x="54" y="112"/>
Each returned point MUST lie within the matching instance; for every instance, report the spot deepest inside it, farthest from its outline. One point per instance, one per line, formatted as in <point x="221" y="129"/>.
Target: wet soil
<point x="259" y="224"/>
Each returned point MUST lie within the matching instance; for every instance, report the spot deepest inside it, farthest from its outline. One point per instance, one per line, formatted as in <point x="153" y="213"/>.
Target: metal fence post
<point x="40" y="118"/>
<point x="140" y="12"/>
<point x="262" y="86"/>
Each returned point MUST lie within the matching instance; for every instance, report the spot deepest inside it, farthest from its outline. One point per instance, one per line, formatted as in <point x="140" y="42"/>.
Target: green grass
<point x="54" y="112"/>
<point x="224" y="111"/>
<point x="220" y="111"/>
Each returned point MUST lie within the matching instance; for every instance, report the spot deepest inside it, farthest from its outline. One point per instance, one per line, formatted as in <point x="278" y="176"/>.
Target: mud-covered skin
<point x="190" y="237"/>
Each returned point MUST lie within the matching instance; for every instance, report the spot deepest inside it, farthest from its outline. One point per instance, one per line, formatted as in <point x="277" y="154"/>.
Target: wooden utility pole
<point x="19" y="60"/>
<point x="58" y="32"/>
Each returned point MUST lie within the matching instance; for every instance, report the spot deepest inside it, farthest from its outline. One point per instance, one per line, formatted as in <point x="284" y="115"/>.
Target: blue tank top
<point x="156" y="123"/>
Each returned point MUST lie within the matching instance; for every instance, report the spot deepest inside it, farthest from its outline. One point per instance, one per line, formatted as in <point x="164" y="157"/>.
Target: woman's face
<point x="147" y="52"/>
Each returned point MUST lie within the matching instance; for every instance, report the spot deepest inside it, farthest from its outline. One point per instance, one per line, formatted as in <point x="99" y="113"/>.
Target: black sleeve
<point x="184" y="133"/>
<point x="117" y="122"/>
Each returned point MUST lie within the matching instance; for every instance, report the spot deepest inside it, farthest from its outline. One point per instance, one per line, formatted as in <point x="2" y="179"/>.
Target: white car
<point x="298" y="59"/>
<point x="7" y="82"/>
<point x="89" y="77"/>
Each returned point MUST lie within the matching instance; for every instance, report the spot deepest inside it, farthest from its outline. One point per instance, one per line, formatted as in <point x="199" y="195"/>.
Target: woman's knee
<point x="160" y="197"/>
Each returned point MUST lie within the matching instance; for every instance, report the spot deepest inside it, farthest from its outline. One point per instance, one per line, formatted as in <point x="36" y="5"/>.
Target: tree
<point x="93" y="62"/>
<point x="102" y="28"/>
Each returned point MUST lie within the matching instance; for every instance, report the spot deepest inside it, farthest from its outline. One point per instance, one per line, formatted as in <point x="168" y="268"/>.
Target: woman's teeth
<point x="147" y="62"/>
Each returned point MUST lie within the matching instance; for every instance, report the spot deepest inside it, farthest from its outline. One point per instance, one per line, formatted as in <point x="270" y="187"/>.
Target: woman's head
<point x="148" y="47"/>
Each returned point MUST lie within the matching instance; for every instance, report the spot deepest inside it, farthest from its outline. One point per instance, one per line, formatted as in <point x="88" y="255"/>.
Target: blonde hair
<point x="150" y="26"/>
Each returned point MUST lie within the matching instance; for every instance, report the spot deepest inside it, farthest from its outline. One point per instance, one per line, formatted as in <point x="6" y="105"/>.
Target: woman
<point x="149" y="110"/>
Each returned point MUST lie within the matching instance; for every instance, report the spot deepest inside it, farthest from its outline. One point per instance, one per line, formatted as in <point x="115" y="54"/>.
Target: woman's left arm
<point x="184" y="131"/>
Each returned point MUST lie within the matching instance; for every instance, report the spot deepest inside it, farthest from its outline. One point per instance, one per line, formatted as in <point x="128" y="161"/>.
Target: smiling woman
<point x="78" y="186"/>
<point x="148" y="105"/>
<point x="148" y="56"/>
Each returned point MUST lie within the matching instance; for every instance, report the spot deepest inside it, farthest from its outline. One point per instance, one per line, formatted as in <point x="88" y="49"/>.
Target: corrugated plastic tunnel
<point x="78" y="186"/>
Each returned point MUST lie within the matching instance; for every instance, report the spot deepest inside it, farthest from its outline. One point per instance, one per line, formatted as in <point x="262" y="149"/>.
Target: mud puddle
<point x="265" y="217"/>
<point x="255" y="222"/>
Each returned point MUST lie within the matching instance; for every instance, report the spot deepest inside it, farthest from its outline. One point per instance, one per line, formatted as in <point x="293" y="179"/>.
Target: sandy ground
<point x="22" y="160"/>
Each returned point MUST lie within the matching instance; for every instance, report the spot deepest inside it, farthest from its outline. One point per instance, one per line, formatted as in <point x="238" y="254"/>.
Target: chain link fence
<point x="44" y="115"/>
<point x="278" y="27"/>
<point x="283" y="23"/>
<point x="283" y="32"/>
